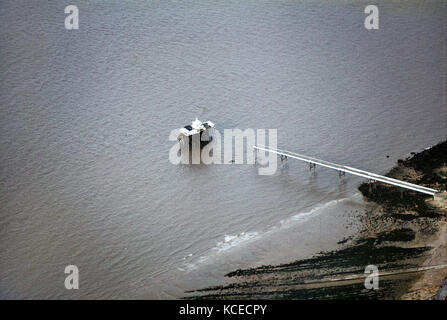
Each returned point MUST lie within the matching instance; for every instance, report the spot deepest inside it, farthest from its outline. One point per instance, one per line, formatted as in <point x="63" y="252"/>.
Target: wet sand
<point x="400" y="231"/>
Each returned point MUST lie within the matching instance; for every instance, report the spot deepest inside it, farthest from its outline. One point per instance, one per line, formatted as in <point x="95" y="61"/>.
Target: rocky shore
<point x="402" y="231"/>
<point x="426" y="216"/>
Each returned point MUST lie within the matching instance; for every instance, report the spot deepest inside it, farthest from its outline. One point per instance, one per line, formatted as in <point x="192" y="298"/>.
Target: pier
<point x="342" y="170"/>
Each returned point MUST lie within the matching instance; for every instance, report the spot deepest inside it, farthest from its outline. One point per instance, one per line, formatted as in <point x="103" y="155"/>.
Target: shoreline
<point x="425" y="215"/>
<point x="400" y="231"/>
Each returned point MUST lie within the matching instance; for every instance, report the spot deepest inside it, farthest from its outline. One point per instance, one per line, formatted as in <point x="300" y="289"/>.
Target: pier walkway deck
<point x="345" y="169"/>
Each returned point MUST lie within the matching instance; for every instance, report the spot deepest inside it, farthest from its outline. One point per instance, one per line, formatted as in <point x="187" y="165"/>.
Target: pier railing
<point x="345" y="169"/>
